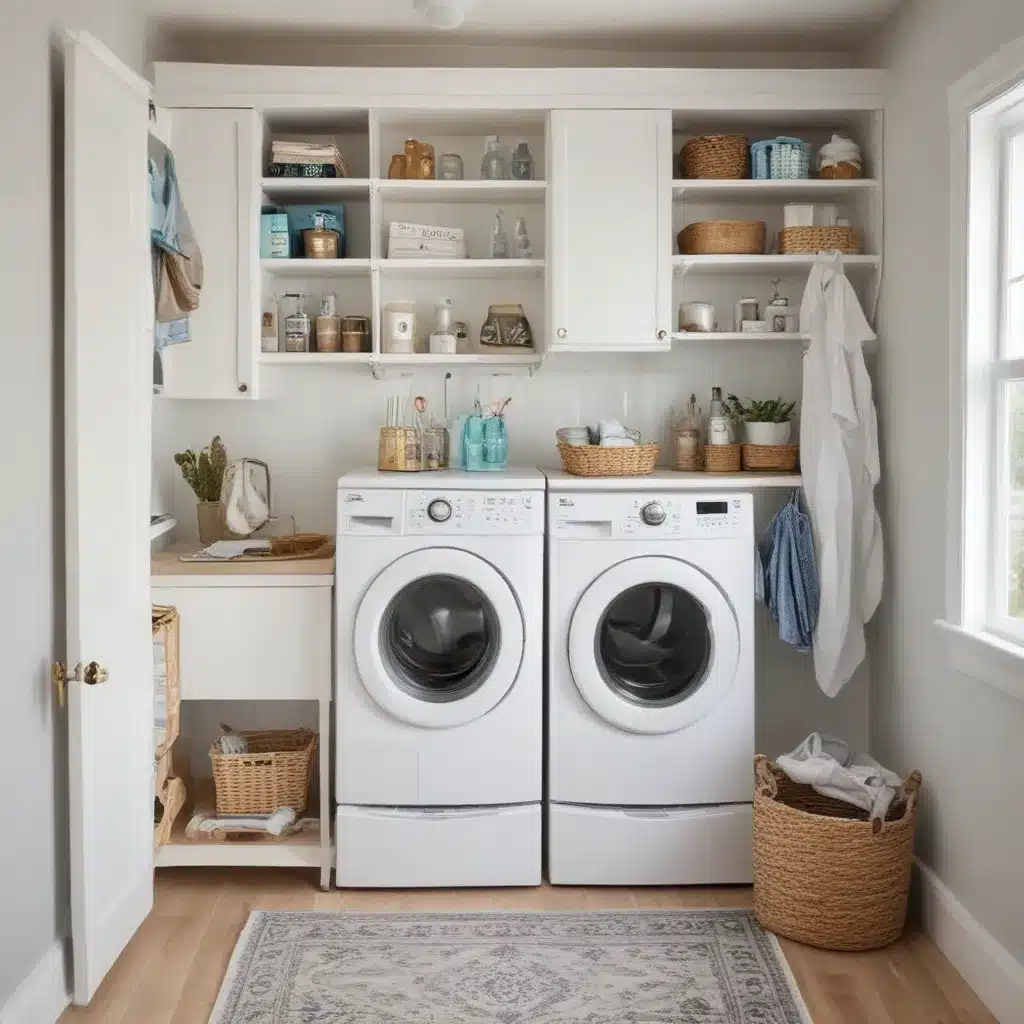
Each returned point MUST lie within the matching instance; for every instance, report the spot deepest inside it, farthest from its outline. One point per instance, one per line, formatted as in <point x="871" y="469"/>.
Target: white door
<point x="653" y="645"/>
<point x="215" y="156"/>
<point x="438" y="638"/>
<point x="108" y="380"/>
<point x="611" y="230"/>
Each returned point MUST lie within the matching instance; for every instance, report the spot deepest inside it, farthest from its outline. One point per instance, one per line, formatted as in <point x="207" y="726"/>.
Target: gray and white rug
<point x="606" y="967"/>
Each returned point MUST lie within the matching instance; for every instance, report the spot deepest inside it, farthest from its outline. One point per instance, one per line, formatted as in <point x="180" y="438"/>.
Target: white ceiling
<point x="541" y="19"/>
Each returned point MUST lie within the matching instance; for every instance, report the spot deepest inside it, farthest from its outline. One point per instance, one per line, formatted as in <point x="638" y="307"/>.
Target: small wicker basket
<point x="715" y="156"/>
<point x="722" y="458"/>
<point x="274" y="773"/>
<point x="771" y="457"/>
<point x="794" y="241"/>
<point x="824" y="875"/>
<point x="729" y="237"/>
<point x="594" y="460"/>
<point x="842" y="171"/>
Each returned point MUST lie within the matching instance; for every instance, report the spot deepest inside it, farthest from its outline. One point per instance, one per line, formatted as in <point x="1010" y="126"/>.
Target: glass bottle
<point x="328" y="326"/>
<point x="523" y="245"/>
<point x="522" y="162"/>
<point x="494" y="167"/>
<point x="499" y="240"/>
<point x="296" y="324"/>
<point x="719" y="426"/>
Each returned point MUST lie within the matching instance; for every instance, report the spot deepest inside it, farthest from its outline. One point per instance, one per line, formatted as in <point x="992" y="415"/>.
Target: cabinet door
<point x="611" y="224"/>
<point x="215" y="154"/>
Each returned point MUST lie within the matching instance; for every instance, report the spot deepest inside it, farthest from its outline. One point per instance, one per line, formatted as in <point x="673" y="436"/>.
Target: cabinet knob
<point x="562" y="332"/>
<point x="243" y="388"/>
<point x="662" y="335"/>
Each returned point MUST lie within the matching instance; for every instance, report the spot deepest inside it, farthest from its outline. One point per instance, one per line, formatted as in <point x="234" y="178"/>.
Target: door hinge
<point x="91" y="674"/>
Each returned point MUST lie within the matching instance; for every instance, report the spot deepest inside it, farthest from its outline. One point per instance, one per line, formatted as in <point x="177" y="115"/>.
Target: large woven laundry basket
<point x="824" y="875"/>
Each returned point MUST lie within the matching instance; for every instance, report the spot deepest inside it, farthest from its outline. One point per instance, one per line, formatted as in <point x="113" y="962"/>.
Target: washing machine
<point x="650" y="682"/>
<point x="439" y="679"/>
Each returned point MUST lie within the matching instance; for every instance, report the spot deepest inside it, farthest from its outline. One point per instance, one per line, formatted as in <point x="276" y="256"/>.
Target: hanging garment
<point x="839" y="462"/>
<point x="828" y="766"/>
<point x="789" y="574"/>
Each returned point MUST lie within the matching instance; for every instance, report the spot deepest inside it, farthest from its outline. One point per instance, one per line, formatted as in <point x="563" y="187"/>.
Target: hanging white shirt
<point x="840" y="466"/>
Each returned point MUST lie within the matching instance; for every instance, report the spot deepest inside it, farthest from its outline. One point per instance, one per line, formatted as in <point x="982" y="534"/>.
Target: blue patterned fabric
<point x="166" y="202"/>
<point x="792" y="590"/>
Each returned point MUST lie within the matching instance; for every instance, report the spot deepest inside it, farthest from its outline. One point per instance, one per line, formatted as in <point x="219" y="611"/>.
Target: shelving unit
<point x="314" y="358"/>
<point x="781" y="265"/>
<point x="292" y="189"/>
<point x="315" y="268"/>
<point x="466" y="191"/>
<point x="747" y="189"/>
<point x="461" y="268"/>
<point x="747" y="336"/>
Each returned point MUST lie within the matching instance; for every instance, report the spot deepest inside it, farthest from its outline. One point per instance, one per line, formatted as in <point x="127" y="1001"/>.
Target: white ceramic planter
<point x="767" y="433"/>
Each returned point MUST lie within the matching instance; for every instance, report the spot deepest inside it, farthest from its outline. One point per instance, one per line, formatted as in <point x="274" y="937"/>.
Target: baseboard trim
<point x="44" y="995"/>
<point x="986" y="966"/>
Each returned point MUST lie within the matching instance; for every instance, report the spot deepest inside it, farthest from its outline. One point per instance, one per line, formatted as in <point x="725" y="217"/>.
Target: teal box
<point x="274" y="237"/>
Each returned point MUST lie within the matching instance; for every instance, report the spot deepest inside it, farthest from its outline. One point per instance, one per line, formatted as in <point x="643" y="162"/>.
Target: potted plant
<point x="766" y="422"/>
<point x="204" y="473"/>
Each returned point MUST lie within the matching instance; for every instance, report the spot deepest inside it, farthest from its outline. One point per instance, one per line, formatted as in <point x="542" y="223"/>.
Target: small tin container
<point x="320" y="242"/>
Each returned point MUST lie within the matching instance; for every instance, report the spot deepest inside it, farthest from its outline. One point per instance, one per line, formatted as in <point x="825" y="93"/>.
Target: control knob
<point x="439" y="510"/>
<point x="653" y="513"/>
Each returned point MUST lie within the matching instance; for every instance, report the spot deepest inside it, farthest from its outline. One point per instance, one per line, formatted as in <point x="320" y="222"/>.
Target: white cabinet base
<point x="650" y="845"/>
<point x="405" y="848"/>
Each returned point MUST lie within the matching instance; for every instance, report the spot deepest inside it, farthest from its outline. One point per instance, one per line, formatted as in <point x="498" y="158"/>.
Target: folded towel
<point x="617" y="442"/>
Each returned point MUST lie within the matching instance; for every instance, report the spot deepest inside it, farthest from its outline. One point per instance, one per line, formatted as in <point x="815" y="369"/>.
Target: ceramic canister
<point x="399" y="328"/>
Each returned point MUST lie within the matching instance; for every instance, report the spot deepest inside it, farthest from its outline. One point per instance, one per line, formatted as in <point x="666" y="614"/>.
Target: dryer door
<point x="653" y="645"/>
<point x="438" y="637"/>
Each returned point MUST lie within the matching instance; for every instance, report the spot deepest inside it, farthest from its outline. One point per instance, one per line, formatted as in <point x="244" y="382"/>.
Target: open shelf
<point x="315" y="268"/>
<point x="751" y="264"/>
<point x="462" y="268"/>
<point x="738" y="336"/>
<point x="158" y="529"/>
<point x="314" y="358"/>
<point x="530" y="358"/>
<point x="466" y="191"/>
<point x="686" y="481"/>
<point x="767" y="191"/>
<point x="282" y="189"/>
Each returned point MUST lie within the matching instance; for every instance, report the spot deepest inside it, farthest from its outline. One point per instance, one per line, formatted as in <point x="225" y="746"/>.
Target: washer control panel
<point x="650" y="516"/>
<point x="474" y="512"/>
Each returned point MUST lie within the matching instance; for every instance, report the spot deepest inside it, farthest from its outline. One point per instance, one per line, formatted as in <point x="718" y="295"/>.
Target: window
<point x="985" y="599"/>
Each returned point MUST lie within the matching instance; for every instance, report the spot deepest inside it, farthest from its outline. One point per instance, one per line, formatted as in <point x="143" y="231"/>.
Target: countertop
<point x="168" y="563"/>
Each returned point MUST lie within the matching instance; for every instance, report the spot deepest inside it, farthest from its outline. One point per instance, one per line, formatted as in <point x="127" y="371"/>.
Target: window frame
<point x="986" y="110"/>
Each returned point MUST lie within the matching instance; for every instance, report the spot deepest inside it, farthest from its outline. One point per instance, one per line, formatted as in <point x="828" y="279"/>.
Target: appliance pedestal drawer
<point x="413" y="847"/>
<point x="590" y="845"/>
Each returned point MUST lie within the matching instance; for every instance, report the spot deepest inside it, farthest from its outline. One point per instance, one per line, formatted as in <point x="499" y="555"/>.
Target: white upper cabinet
<point x="610" y="254"/>
<point x="216" y="157"/>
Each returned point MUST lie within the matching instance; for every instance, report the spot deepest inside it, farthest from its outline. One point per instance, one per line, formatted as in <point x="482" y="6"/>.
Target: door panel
<point x="215" y="155"/>
<point x="611" y="248"/>
<point x="108" y="375"/>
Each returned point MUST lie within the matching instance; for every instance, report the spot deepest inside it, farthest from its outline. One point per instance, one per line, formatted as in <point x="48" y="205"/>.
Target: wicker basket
<point x="825" y="875"/>
<point x="722" y="458"/>
<point x="715" y="156"/>
<point x="274" y="773"/>
<point x="842" y="171"/>
<point x="808" y="240"/>
<point x="169" y="802"/>
<point x="167" y="636"/>
<point x="594" y="460"/>
<point x="769" y="457"/>
<point x="731" y="237"/>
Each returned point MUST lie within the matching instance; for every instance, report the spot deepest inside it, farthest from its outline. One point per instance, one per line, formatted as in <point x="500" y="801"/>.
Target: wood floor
<point x="172" y="970"/>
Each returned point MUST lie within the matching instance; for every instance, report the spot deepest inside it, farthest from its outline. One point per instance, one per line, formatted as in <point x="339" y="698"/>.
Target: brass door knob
<point x="94" y="673"/>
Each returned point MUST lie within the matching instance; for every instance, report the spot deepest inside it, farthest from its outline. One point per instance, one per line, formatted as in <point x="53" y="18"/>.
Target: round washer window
<point x="440" y="637"/>
<point x="654" y="644"/>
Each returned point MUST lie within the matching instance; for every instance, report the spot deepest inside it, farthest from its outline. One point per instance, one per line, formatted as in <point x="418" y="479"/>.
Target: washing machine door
<point x="438" y="637"/>
<point x="653" y="644"/>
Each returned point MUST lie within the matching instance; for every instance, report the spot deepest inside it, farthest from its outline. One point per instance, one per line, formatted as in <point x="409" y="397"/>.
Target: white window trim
<point x="971" y="648"/>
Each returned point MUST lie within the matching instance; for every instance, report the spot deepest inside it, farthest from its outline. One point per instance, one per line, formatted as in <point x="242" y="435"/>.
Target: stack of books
<point x="306" y="160"/>
<point x="421" y="241"/>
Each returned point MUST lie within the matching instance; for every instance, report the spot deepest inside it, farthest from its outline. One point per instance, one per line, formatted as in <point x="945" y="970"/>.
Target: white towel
<point x="829" y="766"/>
<point x="617" y="442"/>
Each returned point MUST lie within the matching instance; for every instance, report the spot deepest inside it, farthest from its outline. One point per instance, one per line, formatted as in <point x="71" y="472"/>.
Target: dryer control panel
<point x="650" y="515"/>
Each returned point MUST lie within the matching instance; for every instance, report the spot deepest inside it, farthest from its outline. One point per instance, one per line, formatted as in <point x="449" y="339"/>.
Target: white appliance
<point x="650" y="682"/>
<point x="439" y="695"/>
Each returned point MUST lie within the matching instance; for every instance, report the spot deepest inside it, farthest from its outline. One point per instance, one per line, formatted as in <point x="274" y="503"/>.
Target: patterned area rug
<point x="606" y="967"/>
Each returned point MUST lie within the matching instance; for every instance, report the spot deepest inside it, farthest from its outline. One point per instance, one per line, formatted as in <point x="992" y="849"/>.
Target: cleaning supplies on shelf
<point x="719" y="423"/>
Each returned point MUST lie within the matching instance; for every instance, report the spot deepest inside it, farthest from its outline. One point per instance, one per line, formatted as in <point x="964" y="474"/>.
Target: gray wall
<point x="33" y="853"/>
<point x="963" y="735"/>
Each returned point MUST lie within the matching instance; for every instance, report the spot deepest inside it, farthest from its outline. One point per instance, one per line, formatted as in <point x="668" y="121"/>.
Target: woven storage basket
<point x="729" y="237"/>
<point x="715" y="156"/>
<point x="274" y="773"/>
<point x="170" y="801"/>
<point x="823" y="874"/>
<point x="842" y="171"/>
<point x="167" y="636"/>
<point x="768" y="457"/>
<point x="722" y="458"/>
<point x="593" y="460"/>
<point x="807" y="240"/>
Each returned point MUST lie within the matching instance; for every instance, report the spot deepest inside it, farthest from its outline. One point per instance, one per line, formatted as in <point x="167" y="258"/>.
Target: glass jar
<point x="295" y="324"/>
<point x="449" y="167"/>
<point x="493" y="167"/>
<point x="522" y="162"/>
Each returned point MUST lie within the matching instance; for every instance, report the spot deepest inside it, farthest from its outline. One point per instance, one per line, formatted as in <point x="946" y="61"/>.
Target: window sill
<point x="985" y="657"/>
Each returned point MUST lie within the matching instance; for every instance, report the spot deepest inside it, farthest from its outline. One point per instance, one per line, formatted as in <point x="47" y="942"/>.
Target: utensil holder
<point x="400" y="450"/>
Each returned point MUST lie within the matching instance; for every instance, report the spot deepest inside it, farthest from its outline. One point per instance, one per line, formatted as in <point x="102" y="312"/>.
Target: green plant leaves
<point x="204" y="472"/>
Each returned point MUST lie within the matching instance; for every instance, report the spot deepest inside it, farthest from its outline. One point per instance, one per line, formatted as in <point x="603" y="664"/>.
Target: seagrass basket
<point x="273" y="773"/>
<point x="594" y="460"/>
<point x="781" y="458"/>
<point x="722" y="237"/>
<point x="715" y="156"/>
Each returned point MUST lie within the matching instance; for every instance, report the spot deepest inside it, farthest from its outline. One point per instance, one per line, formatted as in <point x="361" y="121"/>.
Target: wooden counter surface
<point x="168" y="563"/>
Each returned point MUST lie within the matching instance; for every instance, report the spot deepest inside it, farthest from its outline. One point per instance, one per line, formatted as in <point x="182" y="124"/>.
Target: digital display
<point x="712" y="508"/>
